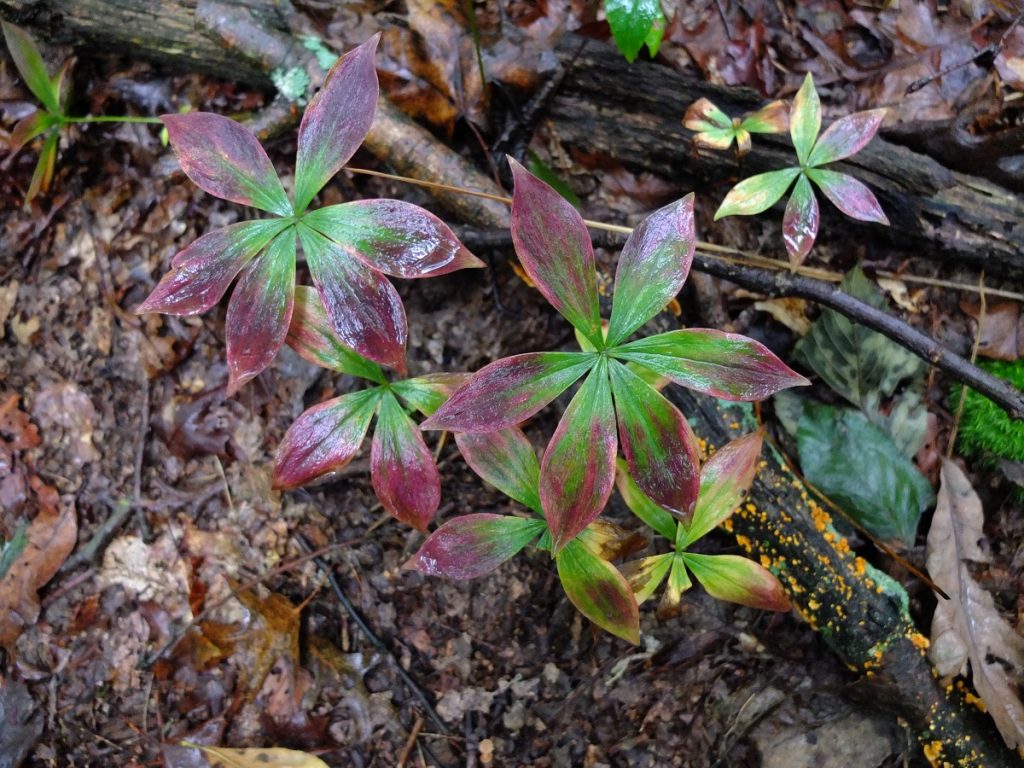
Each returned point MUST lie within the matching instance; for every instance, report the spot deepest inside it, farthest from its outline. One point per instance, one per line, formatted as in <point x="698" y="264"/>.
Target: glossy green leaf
<point x="757" y="193"/>
<point x="853" y="360"/>
<point x="738" y="580"/>
<point x="659" y="446"/>
<point x="29" y="62"/>
<point x="578" y="469"/>
<point x="845" y="137"/>
<point x="429" y="392"/>
<point x="646" y="574"/>
<point x="849" y="195"/>
<point x="599" y="591"/>
<point x="312" y="336"/>
<point x="724" y="365"/>
<point x="725" y="479"/>
<point x="473" y="545"/>
<point x="800" y="222"/>
<point x="858" y="466"/>
<point x="505" y="459"/>
<point x="805" y="119"/>
<point x="653" y="265"/>
<point x="634" y="23"/>
<point x="654" y="515"/>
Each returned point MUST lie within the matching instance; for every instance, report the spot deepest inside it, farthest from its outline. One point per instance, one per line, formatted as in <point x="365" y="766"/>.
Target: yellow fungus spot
<point x="920" y="641"/>
<point x="933" y="751"/>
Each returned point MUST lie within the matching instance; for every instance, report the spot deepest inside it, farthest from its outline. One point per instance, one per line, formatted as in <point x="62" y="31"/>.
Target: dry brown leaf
<point x="968" y="627"/>
<point x="222" y="757"/>
<point x="791" y="312"/>
<point x="51" y="537"/>
<point x="1002" y="332"/>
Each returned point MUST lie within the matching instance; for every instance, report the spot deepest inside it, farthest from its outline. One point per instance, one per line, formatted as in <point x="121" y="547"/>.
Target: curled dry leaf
<point x="968" y="627"/>
<point x="256" y="757"/>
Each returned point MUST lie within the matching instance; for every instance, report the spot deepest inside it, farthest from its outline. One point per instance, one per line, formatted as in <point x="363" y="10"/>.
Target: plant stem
<point x="113" y="119"/>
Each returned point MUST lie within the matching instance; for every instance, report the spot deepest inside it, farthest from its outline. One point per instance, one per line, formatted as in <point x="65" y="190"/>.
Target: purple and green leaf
<point x="805" y="119"/>
<point x="555" y="250"/>
<point x="29" y="62"/>
<point x="366" y="311"/>
<point x="336" y="121"/>
<point x="324" y="438"/>
<point x="846" y="136"/>
<point x="578" y="469"/>
<point x="800" y="222"/>
<point x="28" y="128"/>
<point x="506" y="460"/>
<point x="473" y="545"/>
<point x="429" y="392"/>
<point x="724" y="365"/>
<point x="225" y="159"/>
<point x="654" y="515"/>
<point x="402" y="469"/>
<point x="260" y="311"/>
<point x="201" y="273"/>
<point x="653" y="266"/>
<point x="757" y="193"/>
<point x="599" y="591"/>
<point x="849" y="195"/>
<point x="725" y="479"/>
<point x="393" y="237"/>
<point x="738" y="580"/>
<point x="659" y="446"/>
<point x="509" y="391"/>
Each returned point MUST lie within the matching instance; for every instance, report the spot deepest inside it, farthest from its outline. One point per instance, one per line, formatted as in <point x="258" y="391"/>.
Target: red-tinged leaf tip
<point x="393" y="237"/>
<point x="29" y="62"/>
<point x="757" y="193"/>
<point x="599" y="591"/>
<point x="260" y="311"/>
<point x="473" y="545"/>
<point x="402" y="468"/>
<point x="202" y="271"/>
<point x="578" y="469"/>
<point x="846" y="136"/>
<point x="28" y="128"/>
<point x="703" y="115"/>
<point x="505" y="459"/>
<point x="324" y="438"/>
<point x="653" y="265"/>
<point x="336" y="121"/>
<point x="509" y="391"/>
<point x="659" y="446"/>
<point x="800" y="222"/>
<point x="365" y="309"/>
<point x="223" y="158"/>
<point x="725" y="365"/>
<point x="771" y="118"/>
<point x="725" y="479"/>
<point x="554" y="248"/>
<point x="849" y="195"/>
<point x="805" y="119"/>
<point x="738" y="580"/>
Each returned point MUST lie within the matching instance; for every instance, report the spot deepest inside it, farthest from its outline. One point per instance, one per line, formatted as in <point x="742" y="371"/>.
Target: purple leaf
<point x="724" y="481"/>
<point x="473" y="545"/>
<point x="393" y="237"/>
<point x="365" y="309"/>
<point x="805" y="119"/>
<point x="848" y="195"/>
<point x="599" y="591"/>
<point x="846" y="136"/>
<point x="659" y="446"/>
<point x="800" y="222"/>
<point x="336" y="121"/>
<point x="504" y="459"/>
<point x="738" y="580"/>
<point x="554" y="248"/>
<point x="402" y="469"/>
<point x="202" y="272"/>
<point x="724" y="365"/>
<point x="29" y="62"/>
<point x="653" y="266"/>
<point x="312" y="336"/>
<point x="28" y="128"/>
<point x="223" y="158"/>
<point x="324" y="438"/>
<point x="428" y="393"/>
<point x="703" y="116"/>
<point x="578" y="469"/>
<point x="509" y="391"/>
<point x="756" y="194"/>
<point x="260" y="311"/>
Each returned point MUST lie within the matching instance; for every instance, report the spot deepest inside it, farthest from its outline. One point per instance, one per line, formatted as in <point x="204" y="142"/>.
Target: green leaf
<point x="634" y="23"/>
<point x="473" y="545"/>
<point x="11" y="550"/>
<point x="654" y="515"/>
<point x="906" y="421"/>
<point x="429" y="392"/>
<point x="599" y="591"/>
<point x="30" y="65"/>
<point x="43" y="174"/>
<point x="678" y="583"/>
<point x="853" y="360"/>
<point x="505" y="459"/>
<point x="756" y="194"/>
<point x="646" y="574"/>
<point x="859" y="467"/>
<point x="805" y="119"/>
<point x="312" y="336"/>
<point x="738" y="580"/>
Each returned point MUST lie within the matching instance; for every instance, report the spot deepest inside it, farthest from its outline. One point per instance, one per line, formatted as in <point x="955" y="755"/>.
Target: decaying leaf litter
<point x="133" y="424"/>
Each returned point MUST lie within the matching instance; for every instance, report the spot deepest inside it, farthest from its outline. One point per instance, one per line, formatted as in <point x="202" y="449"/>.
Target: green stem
<point x="113" y="119"/>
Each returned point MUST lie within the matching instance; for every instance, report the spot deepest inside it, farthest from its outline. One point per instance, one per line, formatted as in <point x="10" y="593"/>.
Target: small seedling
<point x="349" y="248"/>
<point x="615" y="404"/>
<point x="713" y="129"/>
<point x="634" y="24"/>
<point x="843" y="138"/>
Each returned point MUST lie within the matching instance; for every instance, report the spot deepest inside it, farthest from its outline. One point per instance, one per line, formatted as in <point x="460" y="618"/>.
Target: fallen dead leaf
<point x="968" y="627"/>
<point x="222" y="757"/>
<point x="1002" y="331"/>
<point x="792" y="313"/>
<point x="65" y="409"/>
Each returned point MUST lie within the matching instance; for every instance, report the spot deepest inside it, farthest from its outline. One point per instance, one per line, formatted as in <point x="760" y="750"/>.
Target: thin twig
<point x="410" y="742"/>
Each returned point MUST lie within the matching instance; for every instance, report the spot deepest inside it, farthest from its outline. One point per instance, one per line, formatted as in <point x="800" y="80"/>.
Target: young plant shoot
<point x="349" y="248"/>
<point x="713" y="129"/>
<point x="843" y="138"/>
<point x="615" y="404"/>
